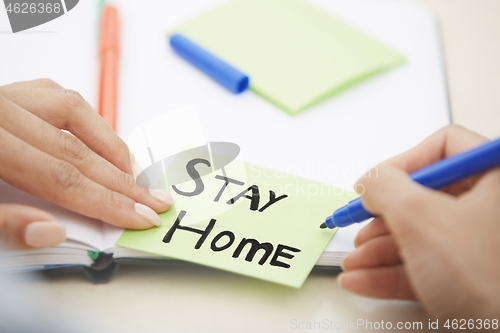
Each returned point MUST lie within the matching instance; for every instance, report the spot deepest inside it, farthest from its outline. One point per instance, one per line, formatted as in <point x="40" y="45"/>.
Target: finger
<point x="408" y="209"/>
<point x="383" y="282"/>
<point x="66" y="109"/>
<point x="38" y="83"/>
<point x="446" y="142"/>
<point x="381" y="251"/>
<point x="24" y="227"/>
<point x="46" y="177"/>
<point x="375" y="228"/>
<point x="487" y="189"/>
<point x="66" y="147"/>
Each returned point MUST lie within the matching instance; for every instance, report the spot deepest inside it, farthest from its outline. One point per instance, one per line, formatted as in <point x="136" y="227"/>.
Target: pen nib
<point x="323" y="225"/>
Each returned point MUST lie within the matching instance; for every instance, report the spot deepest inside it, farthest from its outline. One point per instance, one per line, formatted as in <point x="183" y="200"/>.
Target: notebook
<point x="333" y="143"/>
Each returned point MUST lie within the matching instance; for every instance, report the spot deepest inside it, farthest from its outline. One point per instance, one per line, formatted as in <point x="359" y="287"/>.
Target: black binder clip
<point x="103" y="268"/>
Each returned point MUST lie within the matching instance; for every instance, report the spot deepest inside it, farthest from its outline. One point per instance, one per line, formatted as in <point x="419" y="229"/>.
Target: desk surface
<point x="154" y="299"/>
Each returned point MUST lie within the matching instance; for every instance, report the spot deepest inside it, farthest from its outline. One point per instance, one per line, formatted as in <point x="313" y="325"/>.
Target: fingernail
<point x="44" y="234"/>
<point x="339" y="280"/>
<point x="162" y="196"/>
<point x="148" y="214"/>
<point x="359" y="188"/>
<point x="136" y="169"/>
<point x="342" y="264"/>
<point x="356" y="241"/>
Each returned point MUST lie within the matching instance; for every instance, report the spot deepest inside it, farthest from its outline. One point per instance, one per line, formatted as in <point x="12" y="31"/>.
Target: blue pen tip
<point x="328" y="223"/>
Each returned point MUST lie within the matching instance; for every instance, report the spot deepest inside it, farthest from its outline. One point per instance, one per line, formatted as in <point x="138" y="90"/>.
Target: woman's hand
<point x="90" y="173"/>
<point x="439" y="247"/>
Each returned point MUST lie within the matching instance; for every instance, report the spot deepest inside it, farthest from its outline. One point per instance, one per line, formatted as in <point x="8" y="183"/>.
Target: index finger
<point x="48" y="178"/>
<point x="448" y="141"/>
<point x="68" y="110"/>
<point x="38" y="83"/>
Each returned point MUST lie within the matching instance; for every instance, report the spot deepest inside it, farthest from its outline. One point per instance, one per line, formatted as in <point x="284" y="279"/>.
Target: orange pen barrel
<point x="108" y="56"/>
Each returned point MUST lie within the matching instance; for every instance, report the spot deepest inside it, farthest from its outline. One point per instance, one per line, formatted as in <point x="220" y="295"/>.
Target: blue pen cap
<point x="219" y="70"/>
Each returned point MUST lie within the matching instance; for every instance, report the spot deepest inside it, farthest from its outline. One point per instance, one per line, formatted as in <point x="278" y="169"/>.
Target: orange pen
<point x="108" y="56"/>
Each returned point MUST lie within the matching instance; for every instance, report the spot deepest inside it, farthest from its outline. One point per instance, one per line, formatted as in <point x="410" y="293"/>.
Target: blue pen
<point x="219" y="70"/>
<point x="435" y="176"/>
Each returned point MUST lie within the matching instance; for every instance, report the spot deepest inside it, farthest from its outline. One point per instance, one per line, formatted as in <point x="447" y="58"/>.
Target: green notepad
<point x="270" y="232"/>
<point x="295" y="54"/>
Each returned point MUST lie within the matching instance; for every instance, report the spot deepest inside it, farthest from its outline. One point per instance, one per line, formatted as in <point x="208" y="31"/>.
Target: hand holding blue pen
<point x="436" y="176"/>
<point x="440" y="248"/>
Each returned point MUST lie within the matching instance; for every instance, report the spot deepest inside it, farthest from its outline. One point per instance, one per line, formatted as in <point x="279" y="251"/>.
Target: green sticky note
<point x="269" y="228"/>
<point x="295" y="54"/>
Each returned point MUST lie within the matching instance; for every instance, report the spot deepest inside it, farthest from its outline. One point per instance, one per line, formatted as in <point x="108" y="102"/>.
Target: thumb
<point x="24" y="227"/>
<point x="407" y="208"/>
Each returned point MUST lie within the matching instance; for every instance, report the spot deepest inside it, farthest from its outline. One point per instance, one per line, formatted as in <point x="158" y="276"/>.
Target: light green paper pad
<point x="293" y="221"/>
<point x="295" y="55"/>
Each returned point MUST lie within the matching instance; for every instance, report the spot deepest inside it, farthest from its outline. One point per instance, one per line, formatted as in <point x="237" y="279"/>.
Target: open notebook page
<point x="333" y="142"/>
<point x="64" y="50"/>
<point x="364" y="126"/>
